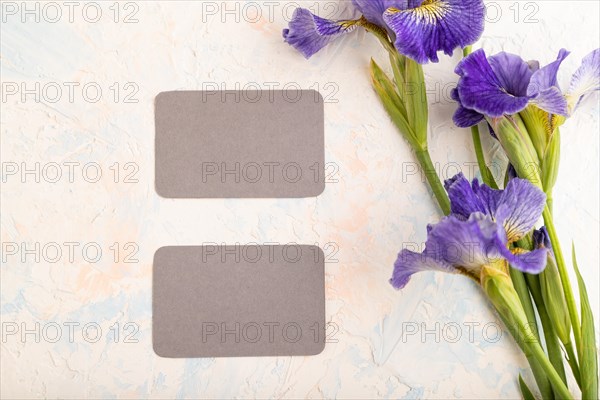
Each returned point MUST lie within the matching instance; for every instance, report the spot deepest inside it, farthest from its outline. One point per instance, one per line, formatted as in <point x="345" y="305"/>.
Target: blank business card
<point x="240" y="300"/>
<point x="239" y="144"/>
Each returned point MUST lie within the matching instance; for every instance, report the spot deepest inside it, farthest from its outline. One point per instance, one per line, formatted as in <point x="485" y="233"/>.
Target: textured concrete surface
<point x="435" y="339"/>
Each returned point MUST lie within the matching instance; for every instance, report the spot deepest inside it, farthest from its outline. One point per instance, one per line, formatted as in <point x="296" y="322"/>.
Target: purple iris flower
<point x="418" y="28"/>
<point x="478" y="232"/>
<point x="505" y="84"/>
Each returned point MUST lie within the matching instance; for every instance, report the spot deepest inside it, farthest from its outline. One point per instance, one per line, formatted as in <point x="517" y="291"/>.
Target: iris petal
<point x="463" y="117"/>
<point x="532" y="262"/>
<point x="469" y="244"/>
<point x="451" y="243"/>
<point x="409" y="263"/>
<point x="466" y="198"/>
<point x="481" y="90"/>
<point x="519" y="208"/>
<point x="488" y="197"/>
<point x="585" y="81"/>
<point x="513" y="73"/>
<point x="463" y="200"/>
<point x="545" y="77"/>
<point x="373" y="9"/>
<point x="544" y="88"/>
<point x="309" y="33"/>
<point x="436" y="25"/>
<point x="552" y="100"/>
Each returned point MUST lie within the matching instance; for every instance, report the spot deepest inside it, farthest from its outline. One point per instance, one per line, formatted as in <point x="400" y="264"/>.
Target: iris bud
<point x="554" y="300"/>
<point x="518" y="146"/>
<point x="552" y="291"/>
<point x="545" y="136"/>
<point x="500" y="290"/>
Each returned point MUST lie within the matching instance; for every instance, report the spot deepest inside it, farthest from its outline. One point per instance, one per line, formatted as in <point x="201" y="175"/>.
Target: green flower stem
<point x="486" y="174"/>
<point x="532" y="348"/>
<point x="539" y="374"/>
<point x="552" y="342"/>
<point x="421" y="150"/>
<point x="520" y="285"/>
<point x="559" y="386"/>
<point x="518" y="279"/>
<point x="549" y="200"/>
<point x="433" y="179"/>
<point x="564" y="276"/>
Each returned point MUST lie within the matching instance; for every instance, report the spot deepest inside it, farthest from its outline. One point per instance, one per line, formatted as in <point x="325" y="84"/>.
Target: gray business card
<point x="239" y="300"/>
<point x="239" y="144"/>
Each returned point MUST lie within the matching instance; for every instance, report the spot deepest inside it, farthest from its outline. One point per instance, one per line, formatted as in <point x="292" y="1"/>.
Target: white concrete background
<point x="370" y="213"/>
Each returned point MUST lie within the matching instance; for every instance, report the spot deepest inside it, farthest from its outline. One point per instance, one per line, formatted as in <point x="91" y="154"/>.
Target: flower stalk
<point x="499" y="289"/>
<point x="520" y="285"/>
<point x="564" y="276"/>
<point x="434" y="181"/>
<point x="552" y="342"/>
<point x="405" y="101"/>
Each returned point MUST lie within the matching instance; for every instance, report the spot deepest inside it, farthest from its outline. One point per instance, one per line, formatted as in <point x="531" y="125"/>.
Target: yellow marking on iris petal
<point x="432" y="11"/>
<point x="348" y="24"/>
<point x="517" y="251"/>
<point x="544" y="119"/>
<point x="549" y="122"/>
<point x="557" y="120"/>
<point x="512" y="234"/>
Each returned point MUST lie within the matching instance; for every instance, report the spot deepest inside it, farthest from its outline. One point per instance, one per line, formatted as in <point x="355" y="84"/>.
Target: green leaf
<point x="518" y="279"/>
<point x="397" y="61"/>
<point x="380" y="78"/>
<point x="588" y="351"/>
<point x="416" y="100"/>
<point x="527" y="395"/>
<point x="392" y="103"/>
<point x="552" y="343"/>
